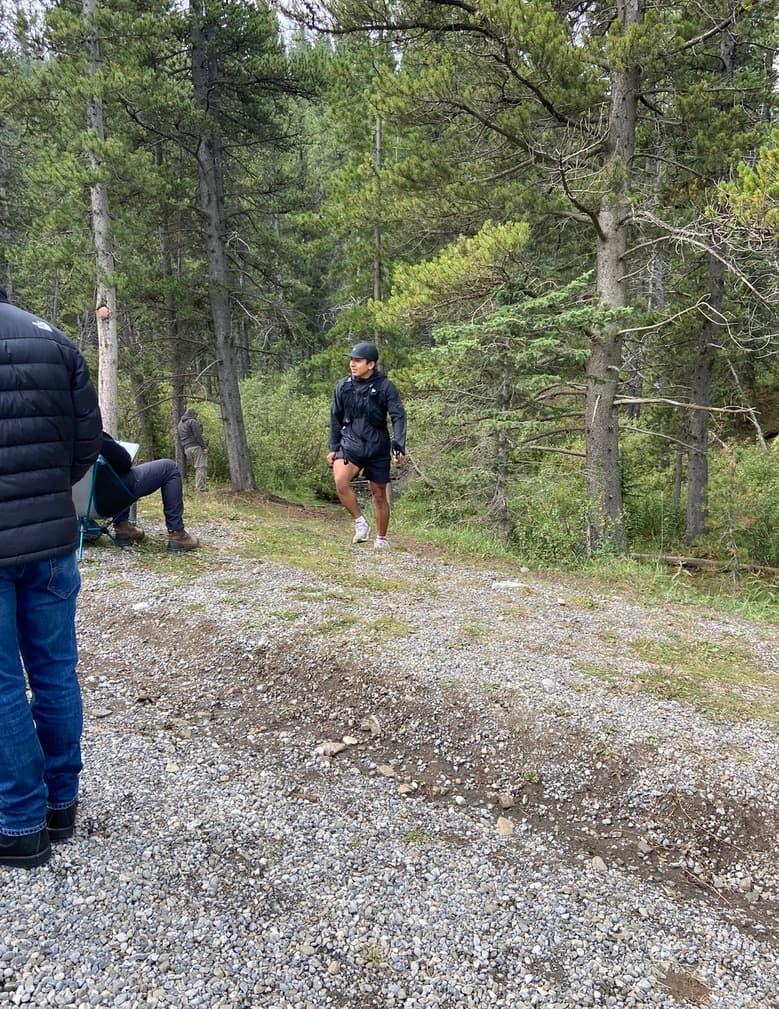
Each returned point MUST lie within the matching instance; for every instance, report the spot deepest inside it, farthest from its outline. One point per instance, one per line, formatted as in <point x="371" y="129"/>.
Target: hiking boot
<point x="61" y="823"/>
<point x="126" y="532"/>
<point x="26" y="851"/>
<point x="380" y="543"/>
<point x="361" y="530"/>
<point x="181" y="540"/>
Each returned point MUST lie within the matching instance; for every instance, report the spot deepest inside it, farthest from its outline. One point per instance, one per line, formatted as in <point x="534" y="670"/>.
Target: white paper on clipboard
<point x="130" y="447"/>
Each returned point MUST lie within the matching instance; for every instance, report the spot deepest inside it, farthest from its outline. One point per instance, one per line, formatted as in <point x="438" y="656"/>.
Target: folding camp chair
<point x="97" y="497"/>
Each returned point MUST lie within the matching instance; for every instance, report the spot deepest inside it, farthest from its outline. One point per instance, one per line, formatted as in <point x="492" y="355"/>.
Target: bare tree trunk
<point x="703" y="365"/>
<point x="700" y="393"/>
<point x="107" y="338"/>
<point x="176" y="350"/>
<point x="210" y="174"/>
<point x="654" y="292"/>
<point x="601" y="422"/>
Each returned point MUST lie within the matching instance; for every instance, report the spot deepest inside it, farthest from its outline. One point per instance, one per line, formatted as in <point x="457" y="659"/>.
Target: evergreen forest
<point x="557" y="219"/>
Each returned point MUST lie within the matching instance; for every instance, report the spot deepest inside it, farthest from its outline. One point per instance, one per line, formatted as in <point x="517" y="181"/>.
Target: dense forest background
<point x="558" y="220"/>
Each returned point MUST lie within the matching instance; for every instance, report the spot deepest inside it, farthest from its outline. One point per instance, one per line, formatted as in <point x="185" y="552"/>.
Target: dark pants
<point x="162" y="475"/>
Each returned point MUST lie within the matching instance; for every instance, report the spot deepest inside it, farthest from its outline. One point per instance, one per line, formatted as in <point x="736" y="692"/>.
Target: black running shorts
<point x="377" y="469"/>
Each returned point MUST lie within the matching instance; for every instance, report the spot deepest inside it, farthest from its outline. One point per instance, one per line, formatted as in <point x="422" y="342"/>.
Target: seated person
<point x="162" y="475"/>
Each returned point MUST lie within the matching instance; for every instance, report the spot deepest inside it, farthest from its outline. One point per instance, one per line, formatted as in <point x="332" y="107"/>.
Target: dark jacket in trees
<point x="190" y="431"/>
<point x="50" y="431"/>
<point x="358" y="418"/>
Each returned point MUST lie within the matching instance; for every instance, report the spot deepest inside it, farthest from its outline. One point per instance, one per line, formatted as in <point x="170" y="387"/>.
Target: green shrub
<point x="744" y="504"/>
<point x="549" y="512"/>
<point x="287" y="433"/>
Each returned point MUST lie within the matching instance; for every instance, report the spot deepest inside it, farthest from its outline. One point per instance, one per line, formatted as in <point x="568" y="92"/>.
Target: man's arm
<point x="88" y="422"/>
<point x="116" y="455"/>
<point x="336" y="420"/>
<point x="397" y="413"/>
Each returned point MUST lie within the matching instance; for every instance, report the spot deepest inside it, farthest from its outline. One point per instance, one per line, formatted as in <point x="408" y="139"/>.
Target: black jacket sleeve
<point x="116" y="455"/>
<point x="336" y="418"/>
<point x="88" y="422"/>
<point x="397" y="413"/>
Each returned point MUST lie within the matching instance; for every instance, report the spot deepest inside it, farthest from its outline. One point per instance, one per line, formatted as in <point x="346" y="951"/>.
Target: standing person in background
<point x="50" y="433"/>
<point x="194" y="444"/>
<point x="360" y="440"/>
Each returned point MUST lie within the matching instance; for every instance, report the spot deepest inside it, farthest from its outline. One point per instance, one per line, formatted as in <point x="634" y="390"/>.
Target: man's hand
<point x="330" y="459"/>
<point x="397" y="457"/>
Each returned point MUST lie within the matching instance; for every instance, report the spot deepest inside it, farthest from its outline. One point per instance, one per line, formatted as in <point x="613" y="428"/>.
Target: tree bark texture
<point x="602" y="469"/>
<point x="700" y="392"/>
<point x="210" y="175"/>
<point x="703" y="364"/>
<point x="102" y="237"/>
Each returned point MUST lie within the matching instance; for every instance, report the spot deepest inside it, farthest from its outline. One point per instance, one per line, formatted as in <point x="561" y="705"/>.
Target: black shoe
<point x="26" y="851"/>
<point x="61" y="822"/>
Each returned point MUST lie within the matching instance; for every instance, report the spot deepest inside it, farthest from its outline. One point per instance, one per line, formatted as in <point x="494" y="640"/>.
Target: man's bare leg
<point x="381" y="507"/>
<point x="343" y="474"/>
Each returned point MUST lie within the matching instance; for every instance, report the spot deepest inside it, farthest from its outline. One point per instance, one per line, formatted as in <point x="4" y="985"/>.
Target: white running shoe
<point x="361" y="530"/>
<point x="380" y="543"/>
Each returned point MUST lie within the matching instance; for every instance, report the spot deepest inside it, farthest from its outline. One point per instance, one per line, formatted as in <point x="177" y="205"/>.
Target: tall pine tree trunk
<point x="700" y="393"/>
<point x="703" y="364"/>
<point x="175" y="347"/>
<point x="102" y="237"/>
<point x="601" y="422"/>
<point x="209" y="154"/>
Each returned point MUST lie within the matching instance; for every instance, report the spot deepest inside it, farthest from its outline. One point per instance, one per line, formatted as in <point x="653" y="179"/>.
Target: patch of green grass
<point x="472" y="631"/>
<point x="287" y="614"/>
<point x="315" y="538"/>
<point x="721" y="680"/>
<point x="309" y="594"/>
<point x="182" y="568"/>
<point x="584" y="602"/>
<point x="391" y="627"/>
<point x="346" y="622"/>
<point x="329" y="559"/>
<point x="415" y="836"/>
<point x="373" y="955"/>
<point x="751" y="597"/>
<point x="559" y="710"/>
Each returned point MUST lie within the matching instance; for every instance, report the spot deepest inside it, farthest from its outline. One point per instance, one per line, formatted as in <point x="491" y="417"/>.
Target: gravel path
<point x="401" y="787"/>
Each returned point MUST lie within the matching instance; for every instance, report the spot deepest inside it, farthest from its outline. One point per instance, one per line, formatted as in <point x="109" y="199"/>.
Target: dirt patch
<point x="191" y="676"/>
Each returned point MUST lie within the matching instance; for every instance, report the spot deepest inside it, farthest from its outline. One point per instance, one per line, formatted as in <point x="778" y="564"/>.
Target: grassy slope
<point x="724" y="682"/>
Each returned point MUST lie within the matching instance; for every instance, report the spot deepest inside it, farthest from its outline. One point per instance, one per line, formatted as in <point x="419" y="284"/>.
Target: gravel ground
<point x="399" y="788"/>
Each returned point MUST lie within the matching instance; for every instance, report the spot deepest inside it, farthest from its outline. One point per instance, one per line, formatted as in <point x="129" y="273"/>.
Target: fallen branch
<point x="704" y="563"/>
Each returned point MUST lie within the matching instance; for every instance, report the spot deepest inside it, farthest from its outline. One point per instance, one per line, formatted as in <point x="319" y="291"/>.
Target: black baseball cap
<point x="364" y="351"/>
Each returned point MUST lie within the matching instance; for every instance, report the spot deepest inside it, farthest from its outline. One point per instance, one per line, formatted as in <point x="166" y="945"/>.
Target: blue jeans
<point x="40" y="739"/>
<point x="162" y="475"/>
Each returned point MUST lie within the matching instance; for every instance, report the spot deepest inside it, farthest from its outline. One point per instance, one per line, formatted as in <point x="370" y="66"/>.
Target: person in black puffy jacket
<point x="360" y="439"/>
<point x="50" y="433"/>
